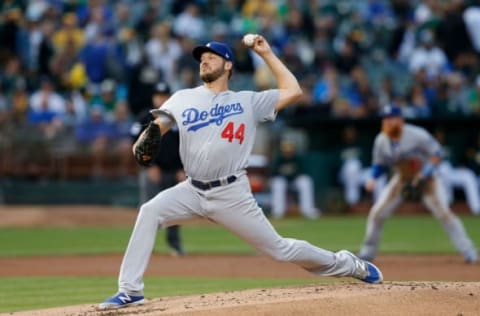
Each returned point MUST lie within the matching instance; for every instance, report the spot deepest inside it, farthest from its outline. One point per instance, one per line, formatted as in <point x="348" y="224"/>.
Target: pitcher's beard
<point x="212" y="76"/>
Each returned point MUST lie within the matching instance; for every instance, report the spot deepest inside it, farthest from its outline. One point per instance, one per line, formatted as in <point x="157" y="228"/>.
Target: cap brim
<point x="199" y="50"/>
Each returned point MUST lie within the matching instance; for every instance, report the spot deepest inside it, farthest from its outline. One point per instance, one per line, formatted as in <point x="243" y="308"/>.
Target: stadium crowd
<point x="75" y="74"/>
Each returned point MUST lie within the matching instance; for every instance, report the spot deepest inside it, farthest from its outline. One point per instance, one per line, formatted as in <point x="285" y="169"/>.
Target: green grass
<point x="28" y="293"/>
<point x="403" y="234"/>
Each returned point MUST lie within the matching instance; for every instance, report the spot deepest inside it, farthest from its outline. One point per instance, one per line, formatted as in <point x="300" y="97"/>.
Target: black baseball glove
<point x="147" y="145"/>
<point x="413" y="190"/>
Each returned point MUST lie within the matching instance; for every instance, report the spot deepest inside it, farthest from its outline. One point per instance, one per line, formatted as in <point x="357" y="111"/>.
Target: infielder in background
<point x="166" y="170"/>
<point x="217" y="130"/>
<point x="414" y="153"/>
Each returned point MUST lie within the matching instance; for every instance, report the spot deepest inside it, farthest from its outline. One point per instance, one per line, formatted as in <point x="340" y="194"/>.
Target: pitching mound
<point x="392" y="298"/>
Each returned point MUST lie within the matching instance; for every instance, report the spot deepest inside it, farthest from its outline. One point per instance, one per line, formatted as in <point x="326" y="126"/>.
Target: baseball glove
<point x="147" y="145"/>
<point x="413" y="190"/>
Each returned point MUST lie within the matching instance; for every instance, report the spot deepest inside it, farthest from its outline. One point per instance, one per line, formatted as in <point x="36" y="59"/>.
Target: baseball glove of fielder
<point x="413" y="190"/>
<point x="148" y="145"/>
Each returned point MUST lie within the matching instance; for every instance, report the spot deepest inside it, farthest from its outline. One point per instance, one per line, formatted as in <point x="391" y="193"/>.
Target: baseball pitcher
<point x="414" y="154"/>
<point x="217" y="131"/>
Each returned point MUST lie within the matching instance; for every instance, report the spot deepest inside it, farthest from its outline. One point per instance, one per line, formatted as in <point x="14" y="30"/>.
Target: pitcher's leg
<point x="451" y="223"/>
<point x="386" y="204"/>
<point x="243" y="217"/>
<point x="174" y="204"/>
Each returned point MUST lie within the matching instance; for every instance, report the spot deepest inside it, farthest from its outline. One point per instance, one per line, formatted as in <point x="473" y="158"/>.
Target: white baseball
<point x="249" y="39"/>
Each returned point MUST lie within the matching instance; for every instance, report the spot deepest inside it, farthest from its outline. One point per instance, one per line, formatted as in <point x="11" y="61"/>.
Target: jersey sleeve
<point x="170" y="107"/>
<point x="429" y="145"/>
<point x="264" y="104"/>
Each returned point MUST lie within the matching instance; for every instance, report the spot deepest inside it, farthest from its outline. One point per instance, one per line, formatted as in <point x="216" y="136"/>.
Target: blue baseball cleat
<point x="365" y="270"/>
<point x="121" y="300"/>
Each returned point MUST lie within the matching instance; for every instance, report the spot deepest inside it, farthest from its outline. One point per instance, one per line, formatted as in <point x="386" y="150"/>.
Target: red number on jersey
<point x="229" y="133"/>
<point x="239" y="133"/>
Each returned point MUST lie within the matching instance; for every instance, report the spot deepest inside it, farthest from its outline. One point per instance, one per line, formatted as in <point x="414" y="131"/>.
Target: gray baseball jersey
<point x="415" y="147"/>
<point x="217" y="131"/>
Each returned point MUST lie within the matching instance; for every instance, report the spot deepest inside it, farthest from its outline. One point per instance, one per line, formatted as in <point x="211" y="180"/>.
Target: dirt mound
<point x="392" y="298"/>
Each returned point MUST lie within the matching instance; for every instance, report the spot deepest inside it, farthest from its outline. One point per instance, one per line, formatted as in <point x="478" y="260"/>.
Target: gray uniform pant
<point x="433" y="198"/>
<point x="232" y="206"/>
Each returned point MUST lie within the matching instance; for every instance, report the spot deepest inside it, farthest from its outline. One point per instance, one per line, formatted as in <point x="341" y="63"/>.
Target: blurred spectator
<point x="291" y="58"/>
<point x="427" y="55"/>
<point x="257" y="15"/>
<point x="453" y="37"/>
<point x="163" y="51"/>
<point x="347" y="57"/>
<point x="402" y="42"/>
<point x="187" y="67"/>
<point x="67" y="68"/>
<point x="47" y="98"/>
<point x="45" y="49"/>
<point x="4" y="108"/>
<point x="96" y="23"/>
<point x="327" y="88"/>
<point x="11" y="17"/>
<point x="141" y="82"/>
<point x="131" y="48"/>
<point x="88" y="8"/>
<point x="107" y="97"/>
<point x="387" y="90"/>
<point x="474" y="98"/>
<point x="360" y="95"/>
<point x="19" y="101"/>
<point x="190" y="23"/>
<point x="471" y="17"/>
<point x="288" y="172"/>
<point x="418" y="102"/>
<point x="46" y="109"/>
<point x="11" y="76"/>
<point x="457" y="104"/>
<point x="298" y="25"/>
<point x="100" y="58"/>
<point x="123" y="17"/>
<point x="69" y="35"/>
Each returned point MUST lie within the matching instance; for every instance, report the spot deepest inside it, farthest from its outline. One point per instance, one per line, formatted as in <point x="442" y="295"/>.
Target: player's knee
<point x="376" y="217"/>
<point x="146" y="211"/>
<point x="445" y="216"/>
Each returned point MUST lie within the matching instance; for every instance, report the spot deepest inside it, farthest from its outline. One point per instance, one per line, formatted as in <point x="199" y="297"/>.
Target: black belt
<point x="212" y="184"/>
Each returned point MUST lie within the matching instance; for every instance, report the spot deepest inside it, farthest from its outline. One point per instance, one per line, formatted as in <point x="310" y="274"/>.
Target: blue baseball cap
<point x="391" y="110"/>
<point x="220" y="49"/>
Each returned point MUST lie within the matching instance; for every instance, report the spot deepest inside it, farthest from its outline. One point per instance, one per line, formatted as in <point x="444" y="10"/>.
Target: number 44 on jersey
<point x="230" y="133"/>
